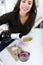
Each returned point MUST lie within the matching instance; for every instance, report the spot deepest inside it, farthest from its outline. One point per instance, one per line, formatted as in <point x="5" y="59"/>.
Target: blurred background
<point x="8" y="6"/>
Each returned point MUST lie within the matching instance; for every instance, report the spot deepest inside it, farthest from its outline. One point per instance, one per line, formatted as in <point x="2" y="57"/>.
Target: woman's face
<point x="25" y="6"/>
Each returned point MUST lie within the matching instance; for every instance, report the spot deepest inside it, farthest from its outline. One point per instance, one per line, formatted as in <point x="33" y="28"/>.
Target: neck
<point x="22" y="14"/>
<point x="23" y="18"/>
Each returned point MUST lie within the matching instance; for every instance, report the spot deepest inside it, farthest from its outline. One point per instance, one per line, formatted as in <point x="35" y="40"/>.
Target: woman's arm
<point x="4" y="18"/>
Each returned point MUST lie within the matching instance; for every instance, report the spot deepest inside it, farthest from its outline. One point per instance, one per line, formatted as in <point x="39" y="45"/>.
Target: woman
<point x="22" y="18"/>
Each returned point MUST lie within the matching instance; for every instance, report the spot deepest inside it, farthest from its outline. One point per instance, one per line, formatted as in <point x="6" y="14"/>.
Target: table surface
<point x="35" y="47"/>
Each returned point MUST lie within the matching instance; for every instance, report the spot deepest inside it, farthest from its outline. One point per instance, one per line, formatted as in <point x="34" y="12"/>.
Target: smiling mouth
<point x="25" y="9"/>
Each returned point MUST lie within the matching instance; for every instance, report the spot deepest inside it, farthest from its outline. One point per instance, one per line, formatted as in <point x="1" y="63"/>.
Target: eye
<point x="23" y="1"/>
<point x="29" y="3"/>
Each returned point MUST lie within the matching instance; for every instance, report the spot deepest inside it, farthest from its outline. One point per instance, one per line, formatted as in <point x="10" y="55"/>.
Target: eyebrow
<point x="28" y="1"/>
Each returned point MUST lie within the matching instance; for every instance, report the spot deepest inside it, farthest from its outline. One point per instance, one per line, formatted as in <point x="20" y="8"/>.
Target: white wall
<point x="40" y="9"/>
<point x="10" y="5"/>
<point x="7" y="6"/>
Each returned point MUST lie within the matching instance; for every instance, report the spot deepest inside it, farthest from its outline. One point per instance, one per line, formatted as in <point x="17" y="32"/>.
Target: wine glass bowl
<point x="23" y="55"/>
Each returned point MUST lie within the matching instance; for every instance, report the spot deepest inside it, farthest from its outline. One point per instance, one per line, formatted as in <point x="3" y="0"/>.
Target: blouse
<point x="13" y="20"/>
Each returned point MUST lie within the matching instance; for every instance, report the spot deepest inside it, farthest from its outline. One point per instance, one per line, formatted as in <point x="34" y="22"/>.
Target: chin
<point x="25" y="12"/>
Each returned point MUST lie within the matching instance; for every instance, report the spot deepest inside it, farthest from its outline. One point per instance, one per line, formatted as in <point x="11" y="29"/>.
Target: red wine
<point x="23" y="55"/>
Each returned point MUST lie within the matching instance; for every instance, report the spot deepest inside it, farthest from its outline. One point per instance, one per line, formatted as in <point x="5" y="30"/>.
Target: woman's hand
<point x="1" y="61"/>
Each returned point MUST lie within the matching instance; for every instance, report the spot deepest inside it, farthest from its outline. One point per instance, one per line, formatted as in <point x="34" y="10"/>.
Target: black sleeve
<point x="4" y="18"/>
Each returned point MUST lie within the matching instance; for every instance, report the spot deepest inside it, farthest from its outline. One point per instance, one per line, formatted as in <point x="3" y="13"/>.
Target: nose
<point x="26" y="5"/>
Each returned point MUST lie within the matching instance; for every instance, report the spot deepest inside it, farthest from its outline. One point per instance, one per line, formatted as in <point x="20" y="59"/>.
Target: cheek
<point x="29" y="8"/>
<point x="21" y="4"/>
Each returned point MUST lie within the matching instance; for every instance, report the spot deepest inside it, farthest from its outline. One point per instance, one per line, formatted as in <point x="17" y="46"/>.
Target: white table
<point x="35" y="47"/>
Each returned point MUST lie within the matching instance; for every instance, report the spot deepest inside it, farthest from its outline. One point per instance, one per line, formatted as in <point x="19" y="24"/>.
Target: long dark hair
<point x="32" y="12"/>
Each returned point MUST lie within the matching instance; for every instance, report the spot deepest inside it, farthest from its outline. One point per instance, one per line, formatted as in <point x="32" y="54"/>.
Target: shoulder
<point x="11" y="14"/>
<point x="7" y="15"/>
